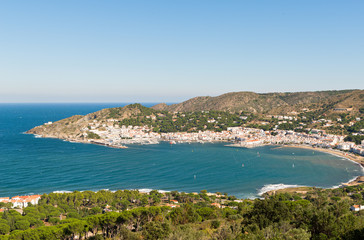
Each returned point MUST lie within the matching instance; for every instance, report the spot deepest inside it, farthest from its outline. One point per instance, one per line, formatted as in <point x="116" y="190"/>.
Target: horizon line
<point x="173" y="102"/>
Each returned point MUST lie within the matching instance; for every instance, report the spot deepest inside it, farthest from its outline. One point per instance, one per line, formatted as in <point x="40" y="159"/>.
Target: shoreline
<point x="303" y="189"/>
<point x="349" y="156"/>
<point x="359" y="180"/>
<point x="282" y="188"/>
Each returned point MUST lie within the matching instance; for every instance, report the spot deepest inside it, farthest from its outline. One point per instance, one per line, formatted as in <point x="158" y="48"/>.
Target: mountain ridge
<point x="274" y="103"/>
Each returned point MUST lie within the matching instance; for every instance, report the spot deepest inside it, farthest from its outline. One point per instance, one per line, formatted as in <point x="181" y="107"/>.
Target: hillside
<point x="72" y="128"/>
<point x="339" y="109"/>
<point x="272" y="103"/>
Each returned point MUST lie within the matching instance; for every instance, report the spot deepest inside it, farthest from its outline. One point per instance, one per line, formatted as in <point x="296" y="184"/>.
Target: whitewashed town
<point x="115" y="136"/>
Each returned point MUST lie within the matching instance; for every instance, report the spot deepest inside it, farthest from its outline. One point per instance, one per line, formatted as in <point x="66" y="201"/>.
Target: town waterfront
<point x="41" y="165"/>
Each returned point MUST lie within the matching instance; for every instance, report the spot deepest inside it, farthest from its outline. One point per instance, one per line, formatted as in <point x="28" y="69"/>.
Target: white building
<point x="345" y="146"/>
<point x="21" y="201"/>
<point x="357" y="208"/>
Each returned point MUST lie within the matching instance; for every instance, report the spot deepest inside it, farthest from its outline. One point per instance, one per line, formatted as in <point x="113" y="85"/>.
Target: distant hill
<point x="271" y="103"/>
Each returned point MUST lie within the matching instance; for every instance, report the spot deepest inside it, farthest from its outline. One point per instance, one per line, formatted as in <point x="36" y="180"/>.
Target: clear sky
<point x="169" y="51"/>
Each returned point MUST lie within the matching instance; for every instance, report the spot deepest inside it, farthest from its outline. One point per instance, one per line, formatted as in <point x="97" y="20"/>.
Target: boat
<point x="172" y="142"/>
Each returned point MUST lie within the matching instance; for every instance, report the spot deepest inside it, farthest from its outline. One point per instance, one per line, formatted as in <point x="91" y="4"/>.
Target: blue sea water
<point x="41" y="165"/>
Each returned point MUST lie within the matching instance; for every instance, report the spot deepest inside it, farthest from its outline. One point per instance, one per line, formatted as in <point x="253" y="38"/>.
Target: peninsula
<point x="329" y="119"/>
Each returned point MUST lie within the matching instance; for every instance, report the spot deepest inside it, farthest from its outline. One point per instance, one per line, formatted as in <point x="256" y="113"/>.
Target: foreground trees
<point x="323" y="214"/>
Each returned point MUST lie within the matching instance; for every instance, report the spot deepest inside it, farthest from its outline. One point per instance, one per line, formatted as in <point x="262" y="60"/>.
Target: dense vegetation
<point x="353" y="131"/>
<point x="354" y="138"/>
<point x="92" y="135"/>
<point x="319" y="214"/>
<point x="356" y="127"/>
<point x="163" y="121"/>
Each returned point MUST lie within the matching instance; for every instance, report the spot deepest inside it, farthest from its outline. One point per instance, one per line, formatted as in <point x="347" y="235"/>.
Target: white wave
<point x="98" y="190"/>
<point x="148" y="190"/>
<point x="162" y="191"/>
<point x="272" y="187"/>
<point x="62" y="191"/>
<point x="354" y="178"/>
<point x="37" y="136"/>
<point x="144" y="190"/>
<point x="351" y="180"/>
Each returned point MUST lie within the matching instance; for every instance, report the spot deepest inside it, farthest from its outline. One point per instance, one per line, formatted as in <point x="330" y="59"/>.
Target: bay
<point x="41" y="165"/>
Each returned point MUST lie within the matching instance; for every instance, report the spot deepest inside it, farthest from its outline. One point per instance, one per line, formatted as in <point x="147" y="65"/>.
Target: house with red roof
<point x="356" y="208"/>
<point x="218" y="205"/>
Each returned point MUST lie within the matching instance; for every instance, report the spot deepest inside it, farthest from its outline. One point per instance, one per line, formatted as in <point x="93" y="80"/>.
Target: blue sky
<point x="169" y="51"/>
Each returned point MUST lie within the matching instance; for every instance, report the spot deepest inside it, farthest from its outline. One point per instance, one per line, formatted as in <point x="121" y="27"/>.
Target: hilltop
<point x="272" y="103"/>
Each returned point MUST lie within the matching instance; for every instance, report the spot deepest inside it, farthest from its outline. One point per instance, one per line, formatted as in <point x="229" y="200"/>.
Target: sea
<point x="31" y="165"/>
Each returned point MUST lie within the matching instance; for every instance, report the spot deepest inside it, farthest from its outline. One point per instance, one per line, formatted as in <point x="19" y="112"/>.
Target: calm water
<point x="37" y="165"/>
